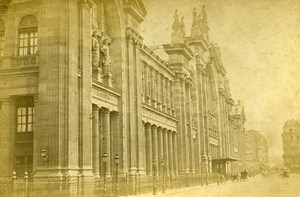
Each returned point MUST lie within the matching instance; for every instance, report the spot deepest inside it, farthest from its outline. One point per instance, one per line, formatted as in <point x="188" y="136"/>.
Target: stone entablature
<point x="19" y="81"/>
<point x="105" y="96"/>
<point x="161" y="119"/>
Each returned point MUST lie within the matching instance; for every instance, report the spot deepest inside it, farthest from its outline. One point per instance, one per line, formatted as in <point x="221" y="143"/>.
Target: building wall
<point x="98" y="91"/>
<point x="291" y="145"/>
<point x="257" y="154"/>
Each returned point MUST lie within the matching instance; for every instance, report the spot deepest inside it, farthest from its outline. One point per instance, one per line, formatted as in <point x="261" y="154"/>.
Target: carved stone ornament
<point x="95" y="51"/>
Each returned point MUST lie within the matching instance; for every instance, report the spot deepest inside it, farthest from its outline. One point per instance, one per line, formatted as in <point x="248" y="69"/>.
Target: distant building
<point x="291" y="145"/>
<point x="238" y="129"/>
<point x="257" y="153"/>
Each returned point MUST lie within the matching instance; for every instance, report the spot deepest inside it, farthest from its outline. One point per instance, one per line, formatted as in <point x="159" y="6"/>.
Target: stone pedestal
<point x="177" y="37"/>
<point x="107" y="79"/>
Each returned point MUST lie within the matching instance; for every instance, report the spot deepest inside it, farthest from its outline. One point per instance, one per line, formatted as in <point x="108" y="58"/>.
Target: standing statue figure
<point x="195" y="17"/>
<point x="176" y="22"/>
<point x="95" y="51"/>
<point x="106" y="56"/>
<point x="204" y="15"/>
<point x="182" y="27"/>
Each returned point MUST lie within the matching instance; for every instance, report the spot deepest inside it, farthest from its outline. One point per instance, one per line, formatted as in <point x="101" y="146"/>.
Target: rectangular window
<point x="28" y="43"/>
<point x="2" y="42"/>
<point x="25" y="115"/>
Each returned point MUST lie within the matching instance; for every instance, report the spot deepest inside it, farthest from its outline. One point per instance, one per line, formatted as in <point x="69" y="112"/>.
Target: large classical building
<point x="256" y="152"/>
<point x="78" y="83"/>
<point x="291" y="145"/>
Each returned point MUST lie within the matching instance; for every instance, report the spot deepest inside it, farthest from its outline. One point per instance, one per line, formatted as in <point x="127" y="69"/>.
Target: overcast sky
<point x="260" y="45"/>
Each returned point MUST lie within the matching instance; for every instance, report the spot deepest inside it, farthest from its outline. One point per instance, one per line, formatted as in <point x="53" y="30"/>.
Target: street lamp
<point x="104" y="159"/>
<point x="163" y="175"/>
<point x="154" y="176"/>
<point x="117" y="173"/>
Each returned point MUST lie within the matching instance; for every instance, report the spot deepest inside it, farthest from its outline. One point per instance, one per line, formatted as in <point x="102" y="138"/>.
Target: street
<point x="259" y="186"/>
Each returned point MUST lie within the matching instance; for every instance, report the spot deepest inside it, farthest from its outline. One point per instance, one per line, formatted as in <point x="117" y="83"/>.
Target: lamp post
<point x="117" y="173"/>
<point x="163" y="175"/>
<point x="154" y="176"/>
<point x="104" y="159"/>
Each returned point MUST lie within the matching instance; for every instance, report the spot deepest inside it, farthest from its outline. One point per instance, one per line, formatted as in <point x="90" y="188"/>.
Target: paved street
<point x="259" y="186"/>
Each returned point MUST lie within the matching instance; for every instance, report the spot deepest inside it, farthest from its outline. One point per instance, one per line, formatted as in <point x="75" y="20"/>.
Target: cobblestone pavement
<point x="270" y="186"/>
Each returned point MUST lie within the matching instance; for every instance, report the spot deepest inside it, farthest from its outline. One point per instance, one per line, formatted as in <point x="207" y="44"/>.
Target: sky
<point x="260" y="46"/>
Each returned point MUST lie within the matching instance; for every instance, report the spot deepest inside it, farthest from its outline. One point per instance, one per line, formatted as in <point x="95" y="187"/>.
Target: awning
<point x="224" y="159"/>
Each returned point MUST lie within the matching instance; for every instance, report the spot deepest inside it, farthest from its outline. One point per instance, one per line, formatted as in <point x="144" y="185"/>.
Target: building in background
<point x="257" y="153"/>
<point x="291" y="145"/>
<point x="78" y="87"/>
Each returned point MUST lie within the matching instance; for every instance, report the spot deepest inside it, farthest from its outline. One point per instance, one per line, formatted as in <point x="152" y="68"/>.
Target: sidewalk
<point x="174" y="191"/>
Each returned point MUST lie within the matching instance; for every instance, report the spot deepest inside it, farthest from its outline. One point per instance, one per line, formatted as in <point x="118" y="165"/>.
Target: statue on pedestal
<point x="95" y="51"/>
<point x="105" y="52"/>
<point x="176" y="22"/>
<point x="182" y="27"/>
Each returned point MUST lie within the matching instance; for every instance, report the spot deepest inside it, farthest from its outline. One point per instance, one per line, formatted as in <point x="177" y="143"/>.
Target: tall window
<point x="2" y="38"/>
<point x="25" y="113"/>
<point x="28" y="35"/>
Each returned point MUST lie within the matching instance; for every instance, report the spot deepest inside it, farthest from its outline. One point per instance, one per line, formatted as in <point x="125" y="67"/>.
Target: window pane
<point x="29" y="109"/>
<point x="30" y="119"/>
<point x="25" y="51"/>
<point x="19" y="111"/>
<point x="19" y="128"/>
<point x="23" y="111"/>
<point x="23" y="119"/>
<point x="29" y="127"/>
<point x="23" y="127"/>
<point x="19" y="120"/>
<point x="25" y="35"/>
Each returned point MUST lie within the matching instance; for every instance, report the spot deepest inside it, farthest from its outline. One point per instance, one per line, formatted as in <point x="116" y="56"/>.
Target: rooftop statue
<point x="195" y="19"/>
<point x="176" y="22"/>
<point x="182" y="26"/>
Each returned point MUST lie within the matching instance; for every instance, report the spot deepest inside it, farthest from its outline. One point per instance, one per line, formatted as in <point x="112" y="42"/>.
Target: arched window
<point x="28" y="35"/>
<point x="2" y="37"/>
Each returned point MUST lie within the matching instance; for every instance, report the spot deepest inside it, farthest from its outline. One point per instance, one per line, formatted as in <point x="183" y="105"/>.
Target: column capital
<point x="105" y="110"/>
<point x="154" y="126"/>
<point x="95" y="107"/>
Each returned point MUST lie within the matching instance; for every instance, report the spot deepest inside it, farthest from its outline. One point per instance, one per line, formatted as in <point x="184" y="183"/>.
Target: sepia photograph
<point x="142" y="98"/>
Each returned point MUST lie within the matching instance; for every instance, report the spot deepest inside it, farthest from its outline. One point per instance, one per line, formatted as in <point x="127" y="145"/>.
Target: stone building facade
<point x="291" y="145"/>
<point x="78" y="83"/>
<point x="256" y="151"/>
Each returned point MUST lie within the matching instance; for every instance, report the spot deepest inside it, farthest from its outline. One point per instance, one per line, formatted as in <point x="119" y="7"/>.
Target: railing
<point x="79" y="186"/>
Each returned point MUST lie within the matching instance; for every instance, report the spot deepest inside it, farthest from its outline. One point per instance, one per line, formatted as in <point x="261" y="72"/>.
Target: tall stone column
<point x="148" y="85"/>
<point x="169" y="96"/>
<point x="154" y="143"/>
<point x="7" y="137"/>
<point x="170" y="153"/>
<point x="106" y="138"/>
<point x="153" y="92"/>
<point x="148" y="148"/>
<point x="158" y="90"/>
<point x="95" y="142"/>
<point x="115" y="137"/>
<point x="160" y="147"/>
<point x="175" y="161"/>
<point x="166" y="149"/>
<point x="190" y="128"/>
<point x="172" y="98"/>
<point x="163" y="90"/>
